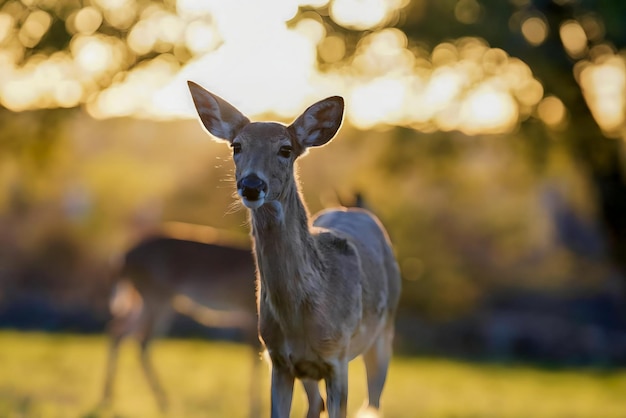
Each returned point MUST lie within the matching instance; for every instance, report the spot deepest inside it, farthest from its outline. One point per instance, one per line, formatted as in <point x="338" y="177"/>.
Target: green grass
<point x="51" y="375"/>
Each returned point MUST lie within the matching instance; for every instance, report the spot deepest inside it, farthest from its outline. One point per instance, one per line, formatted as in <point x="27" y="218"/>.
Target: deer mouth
<point x="252" y="204"/>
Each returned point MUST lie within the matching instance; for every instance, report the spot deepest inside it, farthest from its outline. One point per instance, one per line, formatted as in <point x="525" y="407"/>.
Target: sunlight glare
<point x="6" y="25"/>
<point x="68" y="93"/>
<point x="171" y="28"/>
<point x="266" y="64"/>
<point x="92" y="53"/>
<point x="604" y="87"/>
<point x="200" y="37"/>
<point x="574" y="38"/>
<point x="488" y="109"/>
<point x="444" y="86"/>
<point x="467" y="11"/>
<point x="495" y="61"/>
<point x="17" y="94"/>
<point x="535" y="30"/>
<point x="87" y="20"/>
<point x="383" y="53"/>
<point x="311" y="29"/>
<point x="363" y="14"/>
<point x="140" y="84"/>
<point x="261" y="65"/>
<point x="552" y="112"/>
<point x="529" y="92"/>
<point x="119" y="13"/>
<point x="332" y="49"/>
<point x="380" y="101"/>
<point x="444" y="54"/>
<point x="142" y="37"/>
<point x="34" y="28"/>
<point x="593" y="27"/>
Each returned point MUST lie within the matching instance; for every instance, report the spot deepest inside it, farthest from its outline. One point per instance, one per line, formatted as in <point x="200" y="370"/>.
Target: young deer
<point x="211" y="283"/>
<point x="327" y="292"/>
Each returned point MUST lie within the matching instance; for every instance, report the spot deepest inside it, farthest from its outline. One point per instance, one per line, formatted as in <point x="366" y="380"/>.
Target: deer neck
<point x="287" y="255"/>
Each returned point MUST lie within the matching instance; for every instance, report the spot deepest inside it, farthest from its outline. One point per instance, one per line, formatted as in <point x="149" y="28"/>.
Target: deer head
<point x="264" y="152"/>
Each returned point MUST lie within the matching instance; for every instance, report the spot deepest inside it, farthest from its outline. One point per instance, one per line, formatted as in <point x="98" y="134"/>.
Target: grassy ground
<point x="51" y="375"/>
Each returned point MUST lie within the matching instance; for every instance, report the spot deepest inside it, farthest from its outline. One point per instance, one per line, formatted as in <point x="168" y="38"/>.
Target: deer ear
<point x="319" y="123"/>
<point x="218" y="116"/>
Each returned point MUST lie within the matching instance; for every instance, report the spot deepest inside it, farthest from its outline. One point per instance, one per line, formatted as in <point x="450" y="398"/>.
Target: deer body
<point x="328" y="289"/>
<point x="211" y="283"/>
<point x="209" y="274"/>
<point x="300" y="306"/>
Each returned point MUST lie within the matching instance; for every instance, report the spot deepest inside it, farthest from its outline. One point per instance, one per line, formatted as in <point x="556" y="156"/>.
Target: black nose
<point x="251" y="187"/>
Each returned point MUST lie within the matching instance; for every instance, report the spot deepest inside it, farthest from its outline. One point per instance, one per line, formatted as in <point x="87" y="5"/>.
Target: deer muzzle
<point x="252" y="190"/>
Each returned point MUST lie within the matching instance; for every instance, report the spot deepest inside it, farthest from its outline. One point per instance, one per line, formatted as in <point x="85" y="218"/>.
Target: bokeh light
<point x="604" y="85"/>
<point x="552" y="112"/>
<point x="535" y="30"/>
<point x="364" y="14"/>
<point x="461" y="85"/>
<point x="574" y="38"/>
<point x="34" y="28"/>
<point x="87" y="20"/>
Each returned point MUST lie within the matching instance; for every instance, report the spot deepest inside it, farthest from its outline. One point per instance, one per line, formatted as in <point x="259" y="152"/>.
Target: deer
<point x="327" y="286"/>
<point x="210" y="282"/>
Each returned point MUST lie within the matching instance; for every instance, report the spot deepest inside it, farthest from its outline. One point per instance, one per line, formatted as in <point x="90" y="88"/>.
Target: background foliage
<point x="504" y="231"/>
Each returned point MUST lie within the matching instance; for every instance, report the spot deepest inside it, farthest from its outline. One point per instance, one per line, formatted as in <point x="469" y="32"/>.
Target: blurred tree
<point x="75" y="35"/>
<point x="536" y="32"/>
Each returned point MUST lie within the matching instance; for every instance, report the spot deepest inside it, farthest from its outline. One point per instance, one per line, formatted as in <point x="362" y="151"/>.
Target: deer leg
<point x="120" y="327"/>
<point x="316" y="403"/>
<point x="337" y="390"/>
<point x="376" y="360"/>
<point x="282" y="392"/>
<point x="114" y="346"/>
<point x="155" y="322"/>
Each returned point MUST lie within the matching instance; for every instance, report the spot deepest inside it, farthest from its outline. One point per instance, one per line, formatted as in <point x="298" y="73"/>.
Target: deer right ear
<point x="319" y="123"/>
<point x="218" y="116"/>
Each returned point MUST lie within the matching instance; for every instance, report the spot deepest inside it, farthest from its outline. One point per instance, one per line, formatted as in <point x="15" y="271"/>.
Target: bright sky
<point x="262" y="66"/>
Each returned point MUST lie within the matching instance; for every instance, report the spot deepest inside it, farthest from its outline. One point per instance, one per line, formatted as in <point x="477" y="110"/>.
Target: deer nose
<point x="251" y="187"/>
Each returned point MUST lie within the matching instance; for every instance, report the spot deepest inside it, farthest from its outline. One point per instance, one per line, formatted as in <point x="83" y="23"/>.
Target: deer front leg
<point x="337" y="390"/>
<point x="282" y="391"/>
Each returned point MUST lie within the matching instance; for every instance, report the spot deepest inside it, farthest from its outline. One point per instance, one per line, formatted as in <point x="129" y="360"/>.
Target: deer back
<point x="217" y="276"/>
<point x="379" y="272"/>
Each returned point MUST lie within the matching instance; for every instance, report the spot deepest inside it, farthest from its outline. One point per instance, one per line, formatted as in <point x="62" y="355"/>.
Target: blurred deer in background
<point x="211" y="283"/>
<point x="327" y="291"/>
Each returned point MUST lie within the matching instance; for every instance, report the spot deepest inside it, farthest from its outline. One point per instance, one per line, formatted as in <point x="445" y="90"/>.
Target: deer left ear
<point x="219" y="117"/>
<point x="319" y="123"/>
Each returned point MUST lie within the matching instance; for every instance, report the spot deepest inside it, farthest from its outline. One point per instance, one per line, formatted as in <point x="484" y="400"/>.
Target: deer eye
<point x="285" y="151"/>
<point x="236" y="146"/>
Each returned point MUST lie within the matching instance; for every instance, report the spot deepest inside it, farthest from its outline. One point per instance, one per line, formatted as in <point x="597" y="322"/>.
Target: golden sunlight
<point x="364" y="14"/>
<point x="261" y="65"/>
<point x="488" y="109"/>
<point x="264" y="63"/>
<point x="93" y="54"/>
<point x="33" y="29"/>
<point x="6" y="25"/>
<point x="604" y="86"/>
<point x="574" y="38"/>
<point x="87" y="20"/>
<point x="552" y="112"/>
<point x="535" y="30"/>
<point x="389" y="96"/>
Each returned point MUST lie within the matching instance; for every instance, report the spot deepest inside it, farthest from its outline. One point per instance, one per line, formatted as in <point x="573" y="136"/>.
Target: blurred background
<point x="488" y="135"/>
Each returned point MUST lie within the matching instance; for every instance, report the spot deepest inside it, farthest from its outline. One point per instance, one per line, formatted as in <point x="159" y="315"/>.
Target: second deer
<point x="210" y="283"/>
<point x="327" y="290"/>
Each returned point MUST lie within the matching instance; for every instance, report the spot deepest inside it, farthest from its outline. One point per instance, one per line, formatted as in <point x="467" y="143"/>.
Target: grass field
<point x="52" y="375"/>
